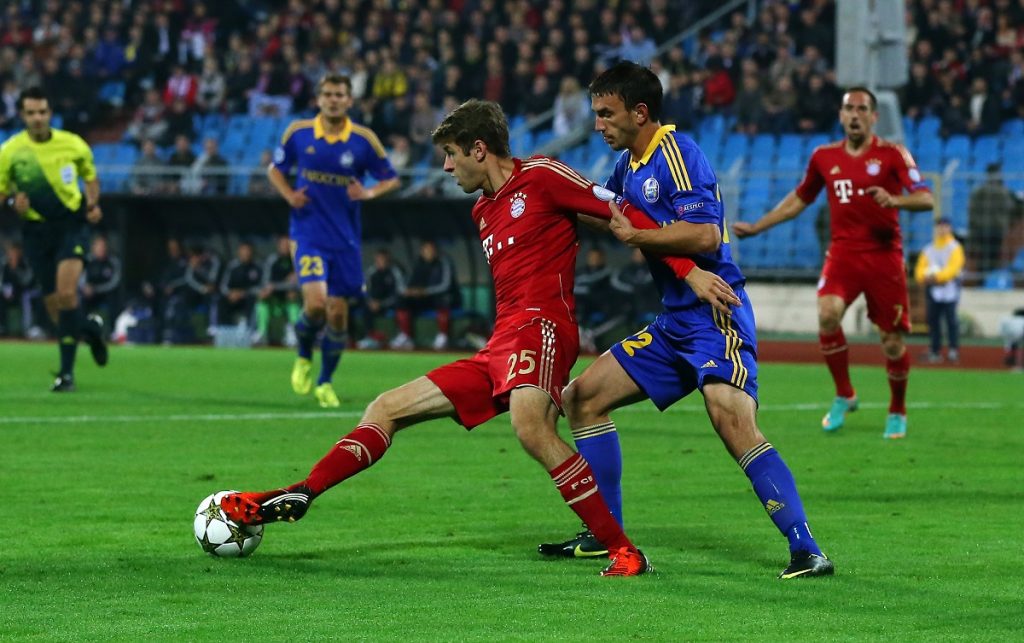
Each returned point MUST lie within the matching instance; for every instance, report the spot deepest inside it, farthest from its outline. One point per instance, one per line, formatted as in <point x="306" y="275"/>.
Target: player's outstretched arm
<point x="788" y="208"/>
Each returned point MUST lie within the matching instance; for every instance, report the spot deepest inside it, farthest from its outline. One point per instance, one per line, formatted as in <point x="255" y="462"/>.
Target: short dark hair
<point x="34" y="93"/>
<point x="333" y="79"/>
<point x="864" y="90"/>
<point x="634" y="84"/>
<point x="475" y="120"/>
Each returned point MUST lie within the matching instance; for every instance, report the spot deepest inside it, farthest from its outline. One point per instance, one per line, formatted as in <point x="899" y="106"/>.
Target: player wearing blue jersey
<point x="690" y="345"/>
<point x="330" y="156"/>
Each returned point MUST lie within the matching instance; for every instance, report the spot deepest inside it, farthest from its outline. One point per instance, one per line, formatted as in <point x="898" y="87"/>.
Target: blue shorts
<point x="683" y="350"/>
<point x="343" y="271"/>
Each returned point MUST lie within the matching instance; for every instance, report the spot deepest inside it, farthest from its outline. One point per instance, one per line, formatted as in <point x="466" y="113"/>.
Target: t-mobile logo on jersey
<point x="490" y="247"/>
<point x="843" y="188"/>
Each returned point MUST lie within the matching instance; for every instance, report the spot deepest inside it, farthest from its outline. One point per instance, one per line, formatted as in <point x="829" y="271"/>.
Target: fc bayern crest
<point x="347" y="159"/>
<point x="651" y="190"/>
<point x="874" y="167"/>
<point x="518" y="205"/>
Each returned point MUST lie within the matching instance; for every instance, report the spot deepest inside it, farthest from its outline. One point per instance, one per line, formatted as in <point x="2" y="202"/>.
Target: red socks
<point x="837" y="357"/>
<point x="356" y="451"/>
<point x="576" y="483"/>
<point x="403" y="319"/>
<point x="898" y="370"/>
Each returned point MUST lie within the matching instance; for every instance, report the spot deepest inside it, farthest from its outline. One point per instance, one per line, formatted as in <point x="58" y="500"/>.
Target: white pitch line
<point x="313" y="415"/>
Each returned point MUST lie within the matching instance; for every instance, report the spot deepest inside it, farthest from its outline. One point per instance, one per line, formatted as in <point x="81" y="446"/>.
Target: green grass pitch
<point x="438" y="541"/>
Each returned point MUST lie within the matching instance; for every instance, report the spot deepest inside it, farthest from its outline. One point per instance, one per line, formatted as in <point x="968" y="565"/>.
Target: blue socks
<point x="306" y="331"/>
<point x="599" y="446"/>
<point x="331" y="347"/>
<point x="774" y="485"/>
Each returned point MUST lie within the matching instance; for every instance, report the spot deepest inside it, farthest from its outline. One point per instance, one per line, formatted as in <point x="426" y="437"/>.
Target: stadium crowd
<point x="150" y="65"/>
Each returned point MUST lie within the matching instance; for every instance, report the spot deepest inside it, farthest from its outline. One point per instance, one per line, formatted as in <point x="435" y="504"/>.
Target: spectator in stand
<point x="992" y="209"/>
<point x="210" y="170"/>
<point x="432" y="287"/>
<point x="201" y="280"/>
<point x="198" y="35"/>
<point x="17" y="288"/>
<point x="719" y="90"/>
<point x="240" y="287"/>
<point x="259" y="184"/>
<point x="179" y="122"/>
<point x="815" y="108"/>
<point x="279" y="292"/>
<point x="149" y="123"/>
<point x="9" y="104"/>
<point x="540" y="98"/>
<point x="180" y="162"/>
<point x="920" y="94"/>
<point x="749" y="111"/>
<point x="181" y="86"/>
<point x="984" y="113"/>
<point x="385" y="282"/>
<point x="572" y="108"/>
<point x="149" y="171"/>
<point x="940" y="268"/>
<point x="423" y="121"/>
<point x="212" y="88"/>
<point x="780" y="107"/>
<point x="101" y="282"/>
<point x="269" y="96"/>
<point x="240" y="87"/>
<point x="680" y="104"/>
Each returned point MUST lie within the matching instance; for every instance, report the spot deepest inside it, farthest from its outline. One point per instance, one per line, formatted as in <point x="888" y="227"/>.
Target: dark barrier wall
<point x="143" y="224"/>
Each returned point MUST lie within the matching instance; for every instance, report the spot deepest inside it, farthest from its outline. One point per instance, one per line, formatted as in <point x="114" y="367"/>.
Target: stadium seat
<point x="814" y="141"/>
<point x="957" y="147"/>
<point x="1017" y="265"/>
<point x="711" y="128"/>
<point x="1013" y="128"/>
<point x="735" y="149"/>
<point x="987" y="149"/>
<point x="928" y="127"/>
<point x="998" y="280"/>
<point x="762" y="150"/>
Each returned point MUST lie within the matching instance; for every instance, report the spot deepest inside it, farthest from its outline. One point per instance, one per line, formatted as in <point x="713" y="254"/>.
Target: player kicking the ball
<point x="527" y="222"/>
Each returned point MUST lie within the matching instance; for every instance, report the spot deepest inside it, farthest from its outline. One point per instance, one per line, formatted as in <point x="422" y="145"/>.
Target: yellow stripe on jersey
<point x="673" y="168"/>
<point x="673" y="146"/>
<point x="295" y="125"/>
<point x="371" y="138"/>
<point x="558" y="168"/>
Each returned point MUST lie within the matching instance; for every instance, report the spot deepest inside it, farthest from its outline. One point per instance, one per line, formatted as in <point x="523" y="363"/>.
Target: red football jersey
<point x="858" y="223"/>
<point x="528" y="232"/>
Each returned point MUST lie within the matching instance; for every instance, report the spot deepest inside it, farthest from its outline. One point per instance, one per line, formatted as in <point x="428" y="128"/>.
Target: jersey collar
<point x="318" y="131"/>
<point x="653" y="145"/>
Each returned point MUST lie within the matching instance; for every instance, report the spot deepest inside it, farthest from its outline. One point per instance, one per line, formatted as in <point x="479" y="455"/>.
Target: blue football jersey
<point x="325" y="165"/>
<point x="673" y="181"/>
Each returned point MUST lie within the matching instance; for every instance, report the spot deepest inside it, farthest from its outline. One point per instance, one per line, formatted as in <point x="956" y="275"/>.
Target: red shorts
<point x="881" y="276"/>
<point x="529" y="351"/>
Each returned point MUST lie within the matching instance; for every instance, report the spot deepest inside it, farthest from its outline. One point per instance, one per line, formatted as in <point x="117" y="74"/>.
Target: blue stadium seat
<point x="813" y="141"/>
<point x="928" y="127"/>
<point x="1017" y="265"/>
<point x="1013" y="128"/>
<point x="957" y="147"/>
<point x="998" y="280"/>
<point x="791" y="145"/>
<point x="542" y="137"/>
<point x="711" y="128"/>
<point x="929" y="147"/>
<point x="736" y="147"/>
<point x="762" y="150"/>
<point x="987" y="149"/>
<point x="1013" y="163"/>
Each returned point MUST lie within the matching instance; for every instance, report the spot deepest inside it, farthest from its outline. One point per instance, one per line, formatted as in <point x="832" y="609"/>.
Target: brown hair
<point x="334" y="79"/>
<point x="475" y="120"/>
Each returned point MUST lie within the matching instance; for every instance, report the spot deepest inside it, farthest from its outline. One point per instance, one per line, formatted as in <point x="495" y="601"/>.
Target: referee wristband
<point x="9" y="205"/>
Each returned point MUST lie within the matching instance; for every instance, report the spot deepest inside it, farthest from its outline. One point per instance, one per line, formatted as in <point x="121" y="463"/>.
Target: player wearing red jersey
<point x="865" y="177"/>
<point x="527" y="223"/>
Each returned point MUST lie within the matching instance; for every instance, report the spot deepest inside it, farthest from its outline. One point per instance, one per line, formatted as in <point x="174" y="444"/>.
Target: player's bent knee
<point x="579" y="402"/>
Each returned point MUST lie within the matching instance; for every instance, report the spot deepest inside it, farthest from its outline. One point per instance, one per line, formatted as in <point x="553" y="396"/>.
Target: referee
<point x="39" y="172"/>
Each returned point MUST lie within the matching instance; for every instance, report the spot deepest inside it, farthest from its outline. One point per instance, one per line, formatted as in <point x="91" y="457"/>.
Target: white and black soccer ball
<point x="220" y="536"/>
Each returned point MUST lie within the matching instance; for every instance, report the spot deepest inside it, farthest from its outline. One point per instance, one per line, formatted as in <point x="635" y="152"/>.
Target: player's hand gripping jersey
<point x="673" y="181"/>
<point x="858" y="222"/>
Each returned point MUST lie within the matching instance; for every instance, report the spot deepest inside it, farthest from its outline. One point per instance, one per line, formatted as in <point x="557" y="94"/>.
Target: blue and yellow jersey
<point x="47" y="172"/>
<point x="325" y="165"/>
<point x="673" y="181"/>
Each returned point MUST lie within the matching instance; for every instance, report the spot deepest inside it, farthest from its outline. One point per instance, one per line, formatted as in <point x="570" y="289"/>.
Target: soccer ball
<point x="220" y="536"/>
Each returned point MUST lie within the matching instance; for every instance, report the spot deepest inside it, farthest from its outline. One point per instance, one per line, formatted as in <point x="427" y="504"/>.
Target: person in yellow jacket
<point x="940" y="268"/>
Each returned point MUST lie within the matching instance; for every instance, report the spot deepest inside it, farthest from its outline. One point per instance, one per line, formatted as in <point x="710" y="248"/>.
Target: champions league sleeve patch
<point x="603" y="194"/>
